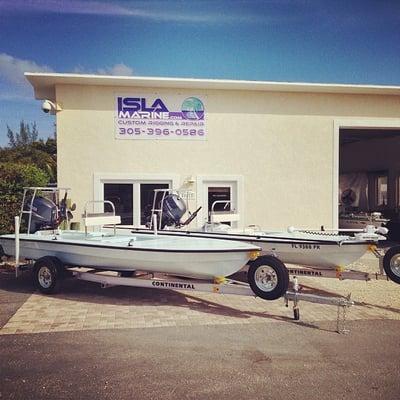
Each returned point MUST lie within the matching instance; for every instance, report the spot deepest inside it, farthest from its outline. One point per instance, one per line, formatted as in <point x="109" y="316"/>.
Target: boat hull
<point x="329" y="256"/>
<point x="325" y="254"/>
<point x="190" y="262"/>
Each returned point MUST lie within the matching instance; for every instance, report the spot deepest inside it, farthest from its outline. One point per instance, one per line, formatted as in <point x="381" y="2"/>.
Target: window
<point x="132" y="198"/>
<point x="221" y="188"/>
<point x="121" y="195"/>
<point x="219" y="194"/>
<point x="219" y="200"/>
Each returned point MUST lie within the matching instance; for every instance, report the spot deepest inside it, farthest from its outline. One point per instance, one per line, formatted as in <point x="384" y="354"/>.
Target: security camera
<point x="50" y="107"/>
<point x="47" y="106"/>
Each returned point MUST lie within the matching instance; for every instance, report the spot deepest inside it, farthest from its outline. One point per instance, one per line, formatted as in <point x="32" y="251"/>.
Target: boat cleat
<point x="219" y="279"/>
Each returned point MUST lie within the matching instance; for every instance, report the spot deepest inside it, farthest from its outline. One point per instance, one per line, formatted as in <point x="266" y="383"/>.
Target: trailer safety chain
<point x="341" y="318"/>
<point x="295" y="295"/>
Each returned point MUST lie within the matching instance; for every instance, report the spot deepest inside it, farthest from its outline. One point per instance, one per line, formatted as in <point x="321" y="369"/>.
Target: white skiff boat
<point x="319" y="249"/>
<point x="322" y="249"/>
<point x="200" y="258"/>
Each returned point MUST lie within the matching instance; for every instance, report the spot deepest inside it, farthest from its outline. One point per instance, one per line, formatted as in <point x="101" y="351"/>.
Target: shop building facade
<point x="274" y="150"/>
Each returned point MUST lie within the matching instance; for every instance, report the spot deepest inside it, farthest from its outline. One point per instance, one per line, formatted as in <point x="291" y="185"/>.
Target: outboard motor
<point x="173" y="210"/>
<point x="44" y="214"/>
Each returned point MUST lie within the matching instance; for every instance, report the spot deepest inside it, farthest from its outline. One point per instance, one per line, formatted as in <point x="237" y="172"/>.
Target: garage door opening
<point x="369" y="178"/>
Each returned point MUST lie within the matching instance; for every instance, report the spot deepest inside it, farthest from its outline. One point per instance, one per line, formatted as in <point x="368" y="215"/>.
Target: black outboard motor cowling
<point x="44" y="214"/>
<point x="174" y="208"/>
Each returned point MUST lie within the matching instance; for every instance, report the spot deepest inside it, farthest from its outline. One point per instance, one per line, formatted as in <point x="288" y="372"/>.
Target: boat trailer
<point x="218" y="286"/>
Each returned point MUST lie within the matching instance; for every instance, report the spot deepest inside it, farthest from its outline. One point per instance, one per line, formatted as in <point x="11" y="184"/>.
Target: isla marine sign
<point x="154" y="116"/>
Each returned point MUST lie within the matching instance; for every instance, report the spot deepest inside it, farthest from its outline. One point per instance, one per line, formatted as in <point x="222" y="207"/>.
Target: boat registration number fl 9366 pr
<point x="306" y="246"/>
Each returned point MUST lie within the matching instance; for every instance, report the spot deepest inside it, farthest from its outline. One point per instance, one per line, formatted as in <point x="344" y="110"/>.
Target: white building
<point x="276" y="150"/>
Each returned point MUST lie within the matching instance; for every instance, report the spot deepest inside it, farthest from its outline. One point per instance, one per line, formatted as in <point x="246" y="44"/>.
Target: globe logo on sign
<point x="192" y="108"/>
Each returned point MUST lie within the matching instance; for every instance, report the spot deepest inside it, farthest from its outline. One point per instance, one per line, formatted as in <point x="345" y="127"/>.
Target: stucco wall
<point x="281" y="143"/>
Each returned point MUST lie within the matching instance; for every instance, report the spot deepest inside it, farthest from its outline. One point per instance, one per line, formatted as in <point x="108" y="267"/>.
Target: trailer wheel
<point x="268" y="277"/>
<point x="391" y="264"/>
<point x="47" y="274"/>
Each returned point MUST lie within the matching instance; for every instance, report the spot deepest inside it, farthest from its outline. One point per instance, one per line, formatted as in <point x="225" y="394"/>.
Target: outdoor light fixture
<point x="190" y="180"/>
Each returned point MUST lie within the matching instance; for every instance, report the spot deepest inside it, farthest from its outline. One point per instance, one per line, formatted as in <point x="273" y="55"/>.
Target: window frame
<point x="235" y="182"/>
<point x="136" y="180"/>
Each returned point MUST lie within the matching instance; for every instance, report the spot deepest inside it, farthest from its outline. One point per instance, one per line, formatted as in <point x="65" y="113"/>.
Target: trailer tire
<point x="268" y="277"/>
<point x="391" y="264"/>
<point x="48" y="273"/>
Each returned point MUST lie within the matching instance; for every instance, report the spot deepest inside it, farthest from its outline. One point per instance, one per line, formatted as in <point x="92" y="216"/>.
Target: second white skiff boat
<point x="324" y="249"/>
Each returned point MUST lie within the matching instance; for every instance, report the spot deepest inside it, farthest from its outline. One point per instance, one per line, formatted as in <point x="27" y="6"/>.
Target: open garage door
<point x="369" y="178"/>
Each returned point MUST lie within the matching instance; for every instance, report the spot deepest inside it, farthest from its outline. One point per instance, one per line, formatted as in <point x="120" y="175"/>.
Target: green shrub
<point x="40" y="153"/>
<point x="13" y="178"/>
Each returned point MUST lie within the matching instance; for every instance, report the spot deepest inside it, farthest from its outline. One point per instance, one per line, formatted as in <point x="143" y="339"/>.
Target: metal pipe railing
<point x="85" y="212"/>
<point x="16" y="228"/>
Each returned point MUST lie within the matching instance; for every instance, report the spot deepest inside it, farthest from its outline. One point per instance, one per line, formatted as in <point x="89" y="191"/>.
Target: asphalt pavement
<point x="262" y="361"/>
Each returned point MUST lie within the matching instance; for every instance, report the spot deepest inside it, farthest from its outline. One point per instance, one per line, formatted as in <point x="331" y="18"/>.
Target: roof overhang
<point x="44" y="84"/>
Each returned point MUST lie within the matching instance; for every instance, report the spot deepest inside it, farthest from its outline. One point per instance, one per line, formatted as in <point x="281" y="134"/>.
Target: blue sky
<point x="334" y="41"/>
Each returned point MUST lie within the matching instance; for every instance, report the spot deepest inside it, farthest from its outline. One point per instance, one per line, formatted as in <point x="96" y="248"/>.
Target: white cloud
<point x="118" y="69"/>
<point x="14" y="86"/>
<point x="12" y="69"/>
<point x="155" y="11"/>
